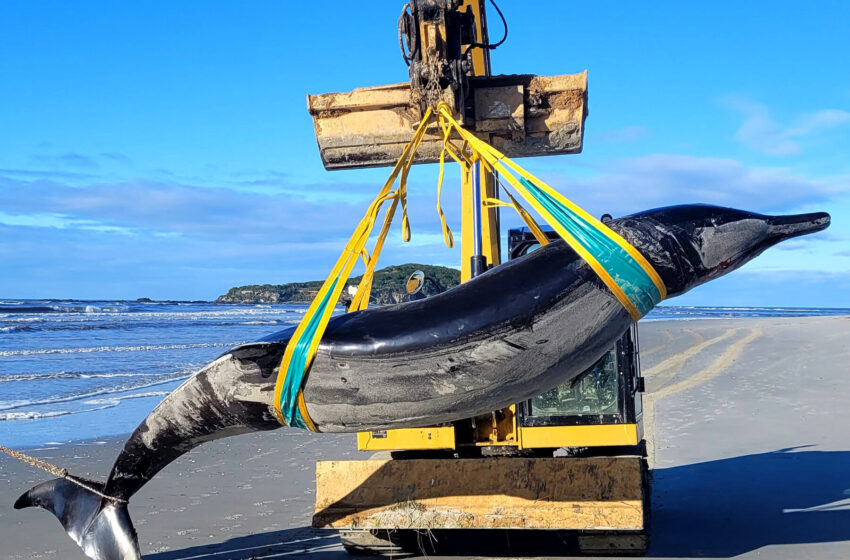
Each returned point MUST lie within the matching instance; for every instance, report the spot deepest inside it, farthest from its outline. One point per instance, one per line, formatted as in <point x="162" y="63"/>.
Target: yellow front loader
<point x="567" y="467"/>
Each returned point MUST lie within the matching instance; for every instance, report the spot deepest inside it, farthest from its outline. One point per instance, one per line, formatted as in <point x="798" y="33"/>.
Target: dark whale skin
<point x="503" y="337"/>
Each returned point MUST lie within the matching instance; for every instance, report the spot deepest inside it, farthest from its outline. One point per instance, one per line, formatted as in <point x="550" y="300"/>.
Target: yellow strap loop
<point x="495" y="203"/>
<point x="364" y="289"/>
<point x="523" y="213"/>
<point x="364" y="254"/>
<point x="447" y="232"/>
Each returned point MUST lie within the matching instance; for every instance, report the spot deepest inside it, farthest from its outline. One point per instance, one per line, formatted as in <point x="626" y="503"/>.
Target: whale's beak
<point x="730" y="246"/>
<point x="784" y="227"/>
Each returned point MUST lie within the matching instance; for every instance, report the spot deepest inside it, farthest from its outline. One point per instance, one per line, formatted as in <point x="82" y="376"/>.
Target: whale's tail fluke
<point x="101" y="527"/>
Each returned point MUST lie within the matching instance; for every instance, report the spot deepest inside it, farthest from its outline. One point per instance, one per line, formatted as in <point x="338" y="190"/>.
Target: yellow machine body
<point x="533" y="437"/>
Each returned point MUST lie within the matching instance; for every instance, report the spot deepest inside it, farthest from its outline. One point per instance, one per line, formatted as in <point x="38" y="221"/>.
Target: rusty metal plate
<point x="521" y="115"/>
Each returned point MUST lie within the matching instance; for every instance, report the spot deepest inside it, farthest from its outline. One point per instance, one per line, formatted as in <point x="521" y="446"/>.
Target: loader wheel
<point x="613" y="544"/>
<point x="373" y="542"/>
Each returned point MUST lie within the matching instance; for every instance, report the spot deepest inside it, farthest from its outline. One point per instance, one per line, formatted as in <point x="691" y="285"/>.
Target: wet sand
<point x="750" y="450"/>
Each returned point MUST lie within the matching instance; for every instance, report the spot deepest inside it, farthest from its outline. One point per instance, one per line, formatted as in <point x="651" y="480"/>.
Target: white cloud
<point x="633" y="184"/>
<point x="59" y="221"/>
<point x="171" y="208"/>
<point x="619" y="186"/>
<point x="149" y="230"/>
<point x="226" y="215"/>
<point x="69" y="159"/>
<point x="762" y="133"/>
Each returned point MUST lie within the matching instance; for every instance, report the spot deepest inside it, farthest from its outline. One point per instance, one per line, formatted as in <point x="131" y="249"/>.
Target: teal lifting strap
<point x="623" y="268"/>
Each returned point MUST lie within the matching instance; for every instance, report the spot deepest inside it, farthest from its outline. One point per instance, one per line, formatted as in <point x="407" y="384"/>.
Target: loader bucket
<point x="520" y="115"/>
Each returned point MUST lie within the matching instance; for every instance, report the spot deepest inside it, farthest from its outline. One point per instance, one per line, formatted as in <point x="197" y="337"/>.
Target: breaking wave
<point x="18" y="308"/>
<point x="115" y="400"/>
<point x="11" y="378"/>
<point x="14" y="405"/>
<point x="94" y="405"/>
<point x="141" y="348"/>
<point x="128" y="324"/>
<point x="30" y="415"/>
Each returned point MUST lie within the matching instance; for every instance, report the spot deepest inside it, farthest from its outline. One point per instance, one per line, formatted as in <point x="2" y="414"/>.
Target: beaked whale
<point x="505" y="336"/>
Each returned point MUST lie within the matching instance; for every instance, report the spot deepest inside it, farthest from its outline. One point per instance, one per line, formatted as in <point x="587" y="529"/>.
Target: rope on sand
<point x="58" y="472"/>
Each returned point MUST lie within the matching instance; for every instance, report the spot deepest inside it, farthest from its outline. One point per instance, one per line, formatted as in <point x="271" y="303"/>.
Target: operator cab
<point x="609" y="392"/>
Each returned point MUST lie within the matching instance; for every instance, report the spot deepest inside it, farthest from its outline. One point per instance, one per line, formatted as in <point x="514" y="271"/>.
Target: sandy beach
<point x="749" y="442"/>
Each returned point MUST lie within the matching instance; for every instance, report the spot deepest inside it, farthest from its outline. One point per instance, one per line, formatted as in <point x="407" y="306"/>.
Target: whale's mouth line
<point x="784" y="227"/>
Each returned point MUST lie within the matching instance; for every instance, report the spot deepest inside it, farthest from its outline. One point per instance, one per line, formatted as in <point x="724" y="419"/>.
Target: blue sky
<point x="164" y="149"/>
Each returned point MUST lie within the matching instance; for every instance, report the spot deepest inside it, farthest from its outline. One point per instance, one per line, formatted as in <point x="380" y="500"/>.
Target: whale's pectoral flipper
<point x="100" y="527"/>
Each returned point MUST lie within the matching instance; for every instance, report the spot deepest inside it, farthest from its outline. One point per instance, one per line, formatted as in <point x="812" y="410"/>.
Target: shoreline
<point x="747" y="422"/>
<point x="108" y="440"/>
<point x="143" y="300"/>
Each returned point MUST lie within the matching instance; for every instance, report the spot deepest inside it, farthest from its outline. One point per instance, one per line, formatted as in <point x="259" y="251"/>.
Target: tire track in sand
<point x="671" y="366"/>
<point x="668" y="337"/>
<point x="715" y="368"/>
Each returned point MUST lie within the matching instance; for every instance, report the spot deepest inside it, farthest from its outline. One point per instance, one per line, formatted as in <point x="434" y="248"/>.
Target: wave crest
<point x="140" y="348"/>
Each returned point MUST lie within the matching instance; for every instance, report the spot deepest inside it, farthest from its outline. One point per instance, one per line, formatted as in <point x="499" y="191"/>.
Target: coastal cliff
<point x="388" y="286"/>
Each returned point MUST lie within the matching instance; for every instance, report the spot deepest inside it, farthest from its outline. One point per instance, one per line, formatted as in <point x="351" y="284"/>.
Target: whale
<point x="507" y="335"/>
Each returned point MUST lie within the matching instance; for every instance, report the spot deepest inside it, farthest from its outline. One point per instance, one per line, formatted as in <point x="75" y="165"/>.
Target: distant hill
<point x="387" y="287"/>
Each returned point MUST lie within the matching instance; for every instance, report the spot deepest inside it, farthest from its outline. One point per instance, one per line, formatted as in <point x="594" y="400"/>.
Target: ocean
<point x="80" y="370"/>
